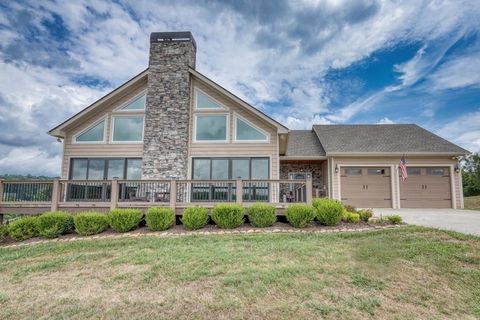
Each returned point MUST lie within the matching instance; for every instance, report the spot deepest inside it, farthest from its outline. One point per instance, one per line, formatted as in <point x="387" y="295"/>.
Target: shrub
<point x="194" y="218"/>
<point x="54" y="224"/>
<point x="350" y="208"/>
<point x="395" y="219"/>
<point x="262" y="215"/>
<point x="159" y="219"/>
<point x="89" y="223"/>
<point x="300" y="215"/>
<point x="228" y="216"/>
<point x="329" y="212"/>
<point x="365" y="214"/>
<point x="123" y="220"/>
<point x="3" y="231"/>
<point x="353" y="217"/>
<point x="23" y="228"/>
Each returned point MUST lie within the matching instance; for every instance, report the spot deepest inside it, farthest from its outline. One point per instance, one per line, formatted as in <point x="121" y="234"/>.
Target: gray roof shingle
<point x="303" y="143"/>
<point x="382" y="138"/>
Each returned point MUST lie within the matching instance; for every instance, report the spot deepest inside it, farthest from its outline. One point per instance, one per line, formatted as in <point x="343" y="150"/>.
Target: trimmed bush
<point x="350" y="208"/>
<point x="329" y="212"/>
<point x="159" y="219"/>
<point x="261" y="215"/>
<point x="300" y="215"/>
<point x="194" y="218"/>
<point x="54" y="224"/>
<point x="23" y="228"/>
<point x="365" y="214"/>
<point x="123" y="220"/>
<point x="395" y="219"/>
<point x="353" y="217"/>
<point x="89" y="223"/>
<point x="227" y="215"/>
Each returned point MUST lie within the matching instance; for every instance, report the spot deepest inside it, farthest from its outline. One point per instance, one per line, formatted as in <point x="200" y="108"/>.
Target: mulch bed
<point x="178" y="230"/>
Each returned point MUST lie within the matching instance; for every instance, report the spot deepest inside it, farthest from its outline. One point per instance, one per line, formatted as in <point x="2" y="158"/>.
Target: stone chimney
<point x="165" y="142"/>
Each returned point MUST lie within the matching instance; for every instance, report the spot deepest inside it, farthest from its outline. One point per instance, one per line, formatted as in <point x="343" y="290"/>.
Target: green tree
<point x="471" y="175"/>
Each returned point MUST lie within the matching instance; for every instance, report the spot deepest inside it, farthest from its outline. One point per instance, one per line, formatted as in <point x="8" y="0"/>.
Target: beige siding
<point x="393" y="161"/>
<point x="107" y="149"/>
<point x="231" y="148"/>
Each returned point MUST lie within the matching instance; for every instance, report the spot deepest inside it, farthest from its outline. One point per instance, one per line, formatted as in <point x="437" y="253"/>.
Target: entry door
<point x="366" y="187"/>
<point x="426" y="187"/>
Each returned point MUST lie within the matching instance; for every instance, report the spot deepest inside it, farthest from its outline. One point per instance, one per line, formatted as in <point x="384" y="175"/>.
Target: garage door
<point x="426" y="187"/>
<point x="366" y="187"/>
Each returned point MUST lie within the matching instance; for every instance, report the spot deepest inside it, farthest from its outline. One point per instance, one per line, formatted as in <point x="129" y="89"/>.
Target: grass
<point x="405" y="273"/>
<point x="472" y="203"/>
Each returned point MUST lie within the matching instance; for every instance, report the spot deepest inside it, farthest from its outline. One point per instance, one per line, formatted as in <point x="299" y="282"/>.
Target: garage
<point x="366" y="187"/>
<point x="426" y="187"/>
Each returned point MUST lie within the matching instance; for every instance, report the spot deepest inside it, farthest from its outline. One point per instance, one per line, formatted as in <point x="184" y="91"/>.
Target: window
<point x="202" y="101"/>
<point x="436" y="171"/>
<point x="136" y="104"/>
<point x="230" y="168"/>
<point x="376" y="171"/>
<point x="245" y="131"/>
<point x="413" y="171"/>
<point x="127" y="129"/>
<point x="353" y="171"/>
<point x="211" y="128"/>
<point x="92" y="134"/>
<point x="110" y="168"/>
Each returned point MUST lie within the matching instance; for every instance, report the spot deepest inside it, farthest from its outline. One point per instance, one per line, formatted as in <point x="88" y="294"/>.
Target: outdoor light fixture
<point x="336" y="168"/>
<point x="457" y="169"/>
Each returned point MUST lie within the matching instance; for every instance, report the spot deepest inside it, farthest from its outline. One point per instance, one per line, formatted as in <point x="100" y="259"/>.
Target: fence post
<point x="114" y="194"/>
<point x="55" y="195"/>
<point x="309" y="187"/>
<point x="239" y="193"/>
<point x="1" y="199"/>
<point x="173" y="194"/>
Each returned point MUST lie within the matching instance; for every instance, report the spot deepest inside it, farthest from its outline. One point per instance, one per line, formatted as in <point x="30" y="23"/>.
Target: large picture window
<point x="127" y="129"/>
<point x="228" y="169"/>
<point x="105" y="168"/>
<point x="211" y="128"/>
<point x="245" y="131"/>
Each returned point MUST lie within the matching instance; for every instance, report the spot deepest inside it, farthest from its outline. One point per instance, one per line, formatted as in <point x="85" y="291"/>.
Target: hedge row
<point x="226" y="216"/>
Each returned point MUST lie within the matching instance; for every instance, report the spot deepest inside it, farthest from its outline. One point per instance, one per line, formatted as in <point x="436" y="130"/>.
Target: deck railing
<point x="84" y="194"/>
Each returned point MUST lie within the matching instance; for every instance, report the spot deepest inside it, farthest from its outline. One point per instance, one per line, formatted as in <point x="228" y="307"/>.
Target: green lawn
<point x="403" y="273"/>
<point x="472" y="203"/>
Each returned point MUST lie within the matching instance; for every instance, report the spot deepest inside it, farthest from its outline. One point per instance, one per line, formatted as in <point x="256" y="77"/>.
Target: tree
<point x="471" y="175"/>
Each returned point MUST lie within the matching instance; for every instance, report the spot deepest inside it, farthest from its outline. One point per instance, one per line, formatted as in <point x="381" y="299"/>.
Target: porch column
<point x="1" y="199"/>
<point x="309" y="187"/>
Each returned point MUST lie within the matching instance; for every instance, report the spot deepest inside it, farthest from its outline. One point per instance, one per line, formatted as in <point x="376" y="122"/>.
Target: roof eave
<point x="366" y="154"/>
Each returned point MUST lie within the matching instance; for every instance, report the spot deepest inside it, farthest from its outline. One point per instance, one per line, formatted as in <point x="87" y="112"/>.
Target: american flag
<point x="403" y="168"/>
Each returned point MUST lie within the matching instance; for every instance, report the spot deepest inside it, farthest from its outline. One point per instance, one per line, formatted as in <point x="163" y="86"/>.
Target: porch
<point x="33" y="197"/>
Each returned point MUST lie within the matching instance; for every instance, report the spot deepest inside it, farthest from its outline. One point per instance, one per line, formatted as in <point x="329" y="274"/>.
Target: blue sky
<point x="302" y="62"/>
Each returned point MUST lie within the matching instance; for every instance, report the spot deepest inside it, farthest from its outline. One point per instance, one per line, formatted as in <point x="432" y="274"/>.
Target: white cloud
<point x="385" y="120"/>
<point x="28" y="160"/>
<point x="463" y="130"/>
<point x="463" y="71"/>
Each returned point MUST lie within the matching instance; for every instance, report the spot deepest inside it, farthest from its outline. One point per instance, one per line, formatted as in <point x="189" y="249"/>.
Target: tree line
<point x="471" y="175"/>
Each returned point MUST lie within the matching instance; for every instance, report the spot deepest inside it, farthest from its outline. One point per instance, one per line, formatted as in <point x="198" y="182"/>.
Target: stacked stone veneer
<point x="303" y="167"/>
<point x="165" y="143"/>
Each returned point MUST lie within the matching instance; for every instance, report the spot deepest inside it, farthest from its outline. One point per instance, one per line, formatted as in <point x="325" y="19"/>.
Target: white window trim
<point x="227" y="138"/>
<point x="123" y="105"/>
<point x="104" y="119"/>
<point x="235" y="139"/>
<point x="112" y="125"/>
<point x="196" y="91"/>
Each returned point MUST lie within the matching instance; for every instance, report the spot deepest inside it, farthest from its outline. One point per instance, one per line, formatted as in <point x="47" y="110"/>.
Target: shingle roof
<point x="388" y="138"/>
<point x="303" y="143"/>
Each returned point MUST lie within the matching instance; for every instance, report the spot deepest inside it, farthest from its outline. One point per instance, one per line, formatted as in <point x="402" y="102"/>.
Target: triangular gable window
<point x="137" y="104"/>
<point x="205" y="102"/>
<point x="93" y="134"/>
<point x="246" y="132"/>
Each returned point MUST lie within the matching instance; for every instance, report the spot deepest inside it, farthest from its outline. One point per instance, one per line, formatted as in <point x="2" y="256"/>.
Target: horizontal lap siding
<point x="78" y="150"/>
<point x="232" y="149"/>
<point x="411" y="161"/>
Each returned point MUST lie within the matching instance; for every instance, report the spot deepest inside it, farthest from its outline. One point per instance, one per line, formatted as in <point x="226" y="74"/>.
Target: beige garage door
<point x="426" y="187"/>
<point x="366" y="187"/>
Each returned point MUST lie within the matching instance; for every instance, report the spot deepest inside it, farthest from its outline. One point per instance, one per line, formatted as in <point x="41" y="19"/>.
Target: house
<point x="170" y="122"/>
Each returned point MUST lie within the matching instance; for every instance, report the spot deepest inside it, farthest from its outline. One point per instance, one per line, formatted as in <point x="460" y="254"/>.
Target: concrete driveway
<point x="465" y="221"/>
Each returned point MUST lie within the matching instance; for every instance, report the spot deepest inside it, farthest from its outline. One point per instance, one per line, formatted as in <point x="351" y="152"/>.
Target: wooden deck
<point x="34" y="197"/>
